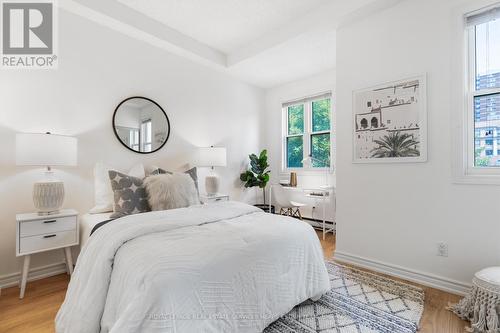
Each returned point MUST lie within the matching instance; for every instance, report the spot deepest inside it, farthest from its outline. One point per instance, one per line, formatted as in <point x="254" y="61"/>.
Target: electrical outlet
<point x="442" y="249"/>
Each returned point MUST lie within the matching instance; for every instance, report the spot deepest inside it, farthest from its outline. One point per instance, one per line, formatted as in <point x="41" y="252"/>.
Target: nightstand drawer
<point x="47" y="241"/>
<point x="46" y="226"/>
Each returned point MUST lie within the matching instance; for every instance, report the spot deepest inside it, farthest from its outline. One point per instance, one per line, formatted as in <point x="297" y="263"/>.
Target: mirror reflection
<point x="141" y="124"/>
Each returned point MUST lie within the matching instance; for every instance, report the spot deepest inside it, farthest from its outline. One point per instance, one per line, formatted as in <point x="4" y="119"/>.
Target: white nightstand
<point x="208" y="199"/>
<point x="39" y="233"/>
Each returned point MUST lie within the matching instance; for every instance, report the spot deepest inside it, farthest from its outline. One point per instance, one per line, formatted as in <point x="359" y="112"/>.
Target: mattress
<point x="88" y="222"/>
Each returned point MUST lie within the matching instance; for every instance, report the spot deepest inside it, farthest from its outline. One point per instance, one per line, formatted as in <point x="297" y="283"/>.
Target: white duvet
<point x="226" y="267"/>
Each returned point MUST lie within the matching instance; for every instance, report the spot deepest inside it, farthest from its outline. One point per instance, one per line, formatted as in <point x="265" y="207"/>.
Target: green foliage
<point x="296" y="119"/>
<point x="321" y="115"/>
<point x="478" y="160"/>
<point x="294" y="151"/>
<point x="320" y="144"/>
<point x="257" y="175"/>
<point x="396" y="144"/>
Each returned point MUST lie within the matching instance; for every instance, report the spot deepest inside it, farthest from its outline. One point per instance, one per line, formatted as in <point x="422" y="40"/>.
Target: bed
<point x="88" y="222"/>
<point x="224" y="267"/>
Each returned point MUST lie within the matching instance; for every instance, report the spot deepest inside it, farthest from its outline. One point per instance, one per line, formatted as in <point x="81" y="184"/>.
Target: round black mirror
<point x="141" y="125"/>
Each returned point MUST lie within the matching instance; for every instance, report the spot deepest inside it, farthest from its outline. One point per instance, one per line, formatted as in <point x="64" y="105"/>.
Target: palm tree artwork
<point x="396" y="144"/>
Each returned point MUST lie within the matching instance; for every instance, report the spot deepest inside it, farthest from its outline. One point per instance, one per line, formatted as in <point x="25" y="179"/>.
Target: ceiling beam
<point x="123" y="19"/>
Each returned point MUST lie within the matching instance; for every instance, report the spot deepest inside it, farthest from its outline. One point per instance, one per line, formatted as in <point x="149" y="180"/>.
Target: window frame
<point x="306" y="135"/>
<point x="472" y="93"/>
<point x="135" y="145"/>
<point x="143" y="141"/>
<point x="287" y="136"/>
<point x="462" y="103"/>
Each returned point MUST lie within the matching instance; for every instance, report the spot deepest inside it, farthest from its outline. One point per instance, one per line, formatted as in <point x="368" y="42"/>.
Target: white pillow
<point x="103" y="193"/>
<point x="137" y="171"/>
<point x="169" y="191"/>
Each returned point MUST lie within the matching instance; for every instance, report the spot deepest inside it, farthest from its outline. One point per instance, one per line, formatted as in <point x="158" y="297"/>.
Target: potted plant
<point x="257" y="175"/>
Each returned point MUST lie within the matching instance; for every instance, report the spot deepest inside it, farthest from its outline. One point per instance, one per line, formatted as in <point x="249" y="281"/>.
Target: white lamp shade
<point x="212" y="157"/>
<point x="45" y="149"/>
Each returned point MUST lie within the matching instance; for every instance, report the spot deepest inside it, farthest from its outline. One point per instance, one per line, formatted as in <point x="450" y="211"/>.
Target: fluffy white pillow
<point x="169" y="191"/>
<point x="103" y="193"/>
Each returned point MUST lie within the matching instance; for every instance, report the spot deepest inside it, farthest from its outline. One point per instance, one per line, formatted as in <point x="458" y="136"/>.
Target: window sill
<point x="318" y="171"/>
<point x="477" y="179"/>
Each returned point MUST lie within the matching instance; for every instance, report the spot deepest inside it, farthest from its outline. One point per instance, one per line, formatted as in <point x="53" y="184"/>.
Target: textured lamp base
<point x="212" y="185"/>
<point x="48" y="196"/>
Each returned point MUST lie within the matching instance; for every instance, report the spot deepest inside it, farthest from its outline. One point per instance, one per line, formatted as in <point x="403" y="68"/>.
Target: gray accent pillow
<point x="160" y="171"/>
<point x="130" y="196"/>
<point x="193" y="172"/>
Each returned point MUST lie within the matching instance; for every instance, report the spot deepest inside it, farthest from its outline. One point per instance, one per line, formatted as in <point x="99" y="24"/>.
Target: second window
<point x="307" y="133"/>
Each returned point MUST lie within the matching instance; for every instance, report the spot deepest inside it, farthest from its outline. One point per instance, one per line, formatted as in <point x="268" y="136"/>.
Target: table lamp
<point x="212" y="157"/>
<point x="38" y="149"/>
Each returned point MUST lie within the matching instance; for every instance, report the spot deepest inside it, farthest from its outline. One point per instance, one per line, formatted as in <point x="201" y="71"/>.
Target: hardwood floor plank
<point x="36" y="312"/>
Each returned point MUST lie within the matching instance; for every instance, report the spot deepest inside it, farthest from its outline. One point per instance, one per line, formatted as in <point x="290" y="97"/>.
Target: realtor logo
<point x="28" y="34"/>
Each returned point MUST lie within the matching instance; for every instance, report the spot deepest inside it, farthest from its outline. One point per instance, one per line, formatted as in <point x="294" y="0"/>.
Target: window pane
<point x="487" y="130"/>
<point x="296" y="119"/>
<point x="136" y="136"/>
<point x="130" y="138"/>
<point x="148" y="131"/>
<point x="294" y="151"/>
<point x="488" y="55"/>
<point x="321" y="115"/>
<point x="320" y="148"/>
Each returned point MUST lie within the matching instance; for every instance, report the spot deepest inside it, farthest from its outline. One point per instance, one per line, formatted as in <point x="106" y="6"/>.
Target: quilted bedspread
<point x="226" y="267"/>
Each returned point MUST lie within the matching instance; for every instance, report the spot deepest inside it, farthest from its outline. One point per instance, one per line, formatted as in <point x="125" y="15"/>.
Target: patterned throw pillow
<point x="130" y="196"/>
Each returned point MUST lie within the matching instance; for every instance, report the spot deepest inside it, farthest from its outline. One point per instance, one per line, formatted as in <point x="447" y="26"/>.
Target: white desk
<point x="324" y="193"/>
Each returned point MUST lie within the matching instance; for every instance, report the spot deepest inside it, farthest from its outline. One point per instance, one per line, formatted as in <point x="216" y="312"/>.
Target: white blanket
<point x="226" y="267"/>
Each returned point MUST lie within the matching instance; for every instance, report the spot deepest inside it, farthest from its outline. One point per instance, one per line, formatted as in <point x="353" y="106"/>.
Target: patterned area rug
<point x="358" y="302"/>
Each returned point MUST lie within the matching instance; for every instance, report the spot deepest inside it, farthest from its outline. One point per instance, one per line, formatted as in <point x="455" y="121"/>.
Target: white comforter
<point x="225" y="267"/>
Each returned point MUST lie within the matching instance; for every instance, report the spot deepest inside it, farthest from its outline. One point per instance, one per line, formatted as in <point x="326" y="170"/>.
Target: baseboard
<point x="426" y="279"/>
<point x="37" y="273"/>
<point x="318" y="224"/>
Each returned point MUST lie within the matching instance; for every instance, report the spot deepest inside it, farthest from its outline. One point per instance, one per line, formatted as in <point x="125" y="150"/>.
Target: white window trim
<point x="463" y="93"/>
<point x="306" y="135"/>
<point x="143" y="140"/>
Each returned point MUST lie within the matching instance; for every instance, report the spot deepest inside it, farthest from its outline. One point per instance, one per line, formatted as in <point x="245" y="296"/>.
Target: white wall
<point x="128" y="117"/>
<point x="396" y="213"/>
<point x="98" y="68"/>
<point x="272" y="135"/>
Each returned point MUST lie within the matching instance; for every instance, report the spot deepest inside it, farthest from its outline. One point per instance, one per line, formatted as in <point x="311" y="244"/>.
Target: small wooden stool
<point x="482" y="305"/>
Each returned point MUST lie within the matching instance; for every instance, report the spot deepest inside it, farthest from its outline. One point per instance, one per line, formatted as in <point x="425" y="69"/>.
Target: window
<point x="295" y="137"/>
<point x="307" y="132"/>
<point x="483" y="30"/>
<point x="146" y="136"/>
<point x="134" y="139"/>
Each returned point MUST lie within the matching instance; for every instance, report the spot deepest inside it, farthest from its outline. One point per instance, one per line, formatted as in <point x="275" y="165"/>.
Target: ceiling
<point x="263" y="42"/>
<point x="225" y="25"/>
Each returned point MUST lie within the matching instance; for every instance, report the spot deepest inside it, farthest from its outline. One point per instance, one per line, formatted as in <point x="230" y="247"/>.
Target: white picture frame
<point x="391" y="113"/>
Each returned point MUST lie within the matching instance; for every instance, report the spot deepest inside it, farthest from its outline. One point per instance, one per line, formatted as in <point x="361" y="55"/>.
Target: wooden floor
<point x="36" y="312"/>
